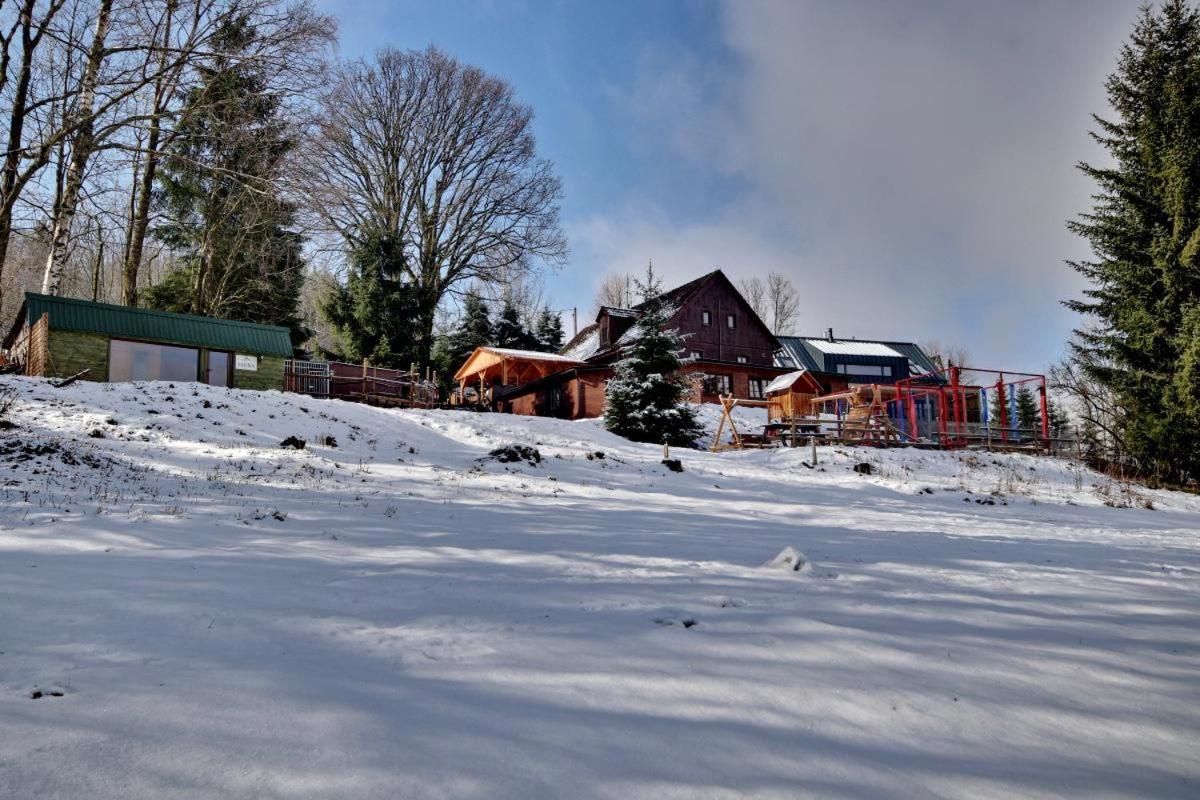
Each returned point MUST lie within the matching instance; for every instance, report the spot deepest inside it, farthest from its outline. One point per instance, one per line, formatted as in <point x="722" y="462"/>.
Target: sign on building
<point x="247" y="363"/>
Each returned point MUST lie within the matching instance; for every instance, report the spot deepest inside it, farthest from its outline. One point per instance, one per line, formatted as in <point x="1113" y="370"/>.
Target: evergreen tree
<point x="550" y="335"/>
<point x="1059" y="423"/>
<point x="474" y="330"/>
<point x="1028" y="410"/>
<point x="374" y="314"/>
<point x="646" y="400"/>
<point x="511" y="332"/>
<point x="219" y="198"/>
<point x="1144" y="232"/>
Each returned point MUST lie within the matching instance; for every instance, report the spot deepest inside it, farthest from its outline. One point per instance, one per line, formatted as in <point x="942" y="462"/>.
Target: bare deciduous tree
<point x="441" y="156"/>
<point x="775" y="300"/>
<point x="945" y="354"/>
<point x="616" y="289"/>
<point x="784" y="303"/>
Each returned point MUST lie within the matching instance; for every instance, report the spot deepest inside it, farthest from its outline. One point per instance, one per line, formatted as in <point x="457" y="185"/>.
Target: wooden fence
<point x="359" y="382"/>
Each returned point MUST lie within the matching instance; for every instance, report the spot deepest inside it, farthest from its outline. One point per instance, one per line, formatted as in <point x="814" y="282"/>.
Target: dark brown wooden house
<point x="727" y="347"/>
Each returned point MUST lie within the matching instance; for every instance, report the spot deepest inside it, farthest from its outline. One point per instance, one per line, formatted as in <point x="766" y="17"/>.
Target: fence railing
<point x="359" y="382"/>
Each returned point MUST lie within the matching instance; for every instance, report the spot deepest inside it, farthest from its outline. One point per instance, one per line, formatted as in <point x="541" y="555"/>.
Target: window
<point x="718" y="384"/>
<point x="706" y="317"/>
<point x="756" y="388"/>
<point x="695" y="355"/>
<point x="742" y="360"/>
<point x="731" y="320"/>
<point x="142" y="361"/>
<point x="865" y="369"/>
<point x="218" y="368"/>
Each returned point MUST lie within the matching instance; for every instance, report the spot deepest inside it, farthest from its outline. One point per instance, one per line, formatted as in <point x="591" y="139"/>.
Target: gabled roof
<point x="583" y="344"/>
<point x="674" y="299"/>
<point x="484" y="358"/>
<point x="788" y="380"/>
<point x="808" y="352"/>
<point x="69" y="314"/>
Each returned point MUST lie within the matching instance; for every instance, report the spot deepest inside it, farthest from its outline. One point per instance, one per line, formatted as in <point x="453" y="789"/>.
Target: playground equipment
<point x="958" y="406"/>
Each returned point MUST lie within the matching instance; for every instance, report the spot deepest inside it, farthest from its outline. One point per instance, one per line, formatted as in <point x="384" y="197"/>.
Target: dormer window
<point x="706" y="317"/>
<point x="742" y="360"/>
<point x="731" y="320"/>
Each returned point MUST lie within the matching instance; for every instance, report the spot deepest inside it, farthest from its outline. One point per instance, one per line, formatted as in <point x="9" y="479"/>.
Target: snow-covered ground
<point x="395" y="614"/>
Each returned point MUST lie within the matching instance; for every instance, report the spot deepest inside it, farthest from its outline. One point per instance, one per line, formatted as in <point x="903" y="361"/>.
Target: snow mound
<point x="790" y="560"/>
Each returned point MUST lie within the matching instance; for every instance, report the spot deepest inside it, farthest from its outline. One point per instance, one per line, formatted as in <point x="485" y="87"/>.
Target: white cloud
<point x="909" y="166"/>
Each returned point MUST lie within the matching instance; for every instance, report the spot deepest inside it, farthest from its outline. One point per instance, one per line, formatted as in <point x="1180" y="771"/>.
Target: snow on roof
<point x="535" y="355"/>
<point x="849" y="347"/>
<point x="783" y="381"/>
<point x="587" y="345"/>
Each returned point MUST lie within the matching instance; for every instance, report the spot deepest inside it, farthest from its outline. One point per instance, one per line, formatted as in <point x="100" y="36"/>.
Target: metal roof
<point x="808" y="352"/>
<point x="853" y="347"/>
<point x="69" y="314"/>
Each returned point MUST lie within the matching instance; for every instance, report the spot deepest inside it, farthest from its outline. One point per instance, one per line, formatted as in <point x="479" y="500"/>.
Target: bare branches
<point x="440" y="156"/>
<point x="775" y="300"/>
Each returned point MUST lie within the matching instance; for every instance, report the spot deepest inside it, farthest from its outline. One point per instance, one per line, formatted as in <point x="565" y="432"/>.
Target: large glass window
<point x="718" y="384"/>
<point x="142" y="361"/>
<point x="218" y="368"/>
<point x="864" y="369"/>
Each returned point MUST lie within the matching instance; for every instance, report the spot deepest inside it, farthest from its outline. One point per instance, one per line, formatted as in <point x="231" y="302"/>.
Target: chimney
<point x="829" y="334"/>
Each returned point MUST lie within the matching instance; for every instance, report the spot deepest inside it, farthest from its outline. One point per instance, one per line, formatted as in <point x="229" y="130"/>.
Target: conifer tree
<point x="373" y="315"/>
<point x="1028" y="412"/>
<point x="646" y="400"/>
<point x="219" y="198"/>
<point x="474" y="330"/>
<point x="1144" y="233"/>
<point x="549" y="331"/>
<point x="511" y="332"/>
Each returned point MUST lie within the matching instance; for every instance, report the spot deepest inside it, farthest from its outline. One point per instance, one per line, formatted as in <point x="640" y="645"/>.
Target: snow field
<point x="393" y="613"/>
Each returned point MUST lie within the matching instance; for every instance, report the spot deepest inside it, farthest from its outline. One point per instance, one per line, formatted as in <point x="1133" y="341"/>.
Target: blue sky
<point x="909" y="165"/>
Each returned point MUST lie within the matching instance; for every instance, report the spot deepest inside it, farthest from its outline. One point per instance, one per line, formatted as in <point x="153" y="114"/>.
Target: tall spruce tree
<point x="1028" y="410"/>
<point x="1144" y="233"/>
<point x="218" y="196"/>
<point x="549" y="333"/>
<point x="374" y="313"/>
<point x="646" y="400"/>
<point x="474" y="330"/>
<point x="511" y="331"/>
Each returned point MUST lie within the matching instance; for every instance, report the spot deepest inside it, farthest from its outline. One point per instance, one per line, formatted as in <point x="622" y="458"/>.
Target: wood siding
<point x="717" y="341"/>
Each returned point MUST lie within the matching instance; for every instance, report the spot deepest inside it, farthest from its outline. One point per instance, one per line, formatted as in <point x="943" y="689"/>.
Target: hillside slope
<point x="391" y="612"/>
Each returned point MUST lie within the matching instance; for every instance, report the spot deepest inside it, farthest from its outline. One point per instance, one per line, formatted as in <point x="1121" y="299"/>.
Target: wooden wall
<point x="717" y="341"/>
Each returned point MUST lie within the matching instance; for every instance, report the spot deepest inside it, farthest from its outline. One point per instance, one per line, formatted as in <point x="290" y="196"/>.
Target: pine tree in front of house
<point x="647" y="398"/>
<point x="1144" y="232"/>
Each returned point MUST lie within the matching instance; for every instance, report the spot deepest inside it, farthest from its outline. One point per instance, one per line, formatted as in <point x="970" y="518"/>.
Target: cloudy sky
<point x="908" y="164"/>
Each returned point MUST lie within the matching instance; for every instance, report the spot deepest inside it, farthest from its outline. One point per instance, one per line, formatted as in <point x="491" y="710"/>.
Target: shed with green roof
<point x="61" y="336"/>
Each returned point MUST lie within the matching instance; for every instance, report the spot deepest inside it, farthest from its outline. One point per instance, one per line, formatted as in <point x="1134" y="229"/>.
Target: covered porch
<point x="488" y="370"/>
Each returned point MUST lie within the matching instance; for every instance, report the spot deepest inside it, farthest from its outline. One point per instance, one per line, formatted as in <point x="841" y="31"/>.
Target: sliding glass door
<point x="142" y="361"/>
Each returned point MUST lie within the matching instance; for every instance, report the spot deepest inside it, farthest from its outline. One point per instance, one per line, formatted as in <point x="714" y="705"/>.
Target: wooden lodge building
<point x="727" y="347"/>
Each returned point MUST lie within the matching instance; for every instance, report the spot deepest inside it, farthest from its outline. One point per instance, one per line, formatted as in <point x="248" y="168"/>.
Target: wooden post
<point x="364" y="381"/>
<point x="812" y="443"/>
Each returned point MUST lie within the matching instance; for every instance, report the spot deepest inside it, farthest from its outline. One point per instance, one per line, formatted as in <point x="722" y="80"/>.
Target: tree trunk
<point x="81" y="151"/>
<point x="98" y="264"/>
<point x="141" y="215"/>
<point x="16" y="133"/>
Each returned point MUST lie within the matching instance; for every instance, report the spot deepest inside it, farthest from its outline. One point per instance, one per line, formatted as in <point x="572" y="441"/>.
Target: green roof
<point x="68" y="314"/>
